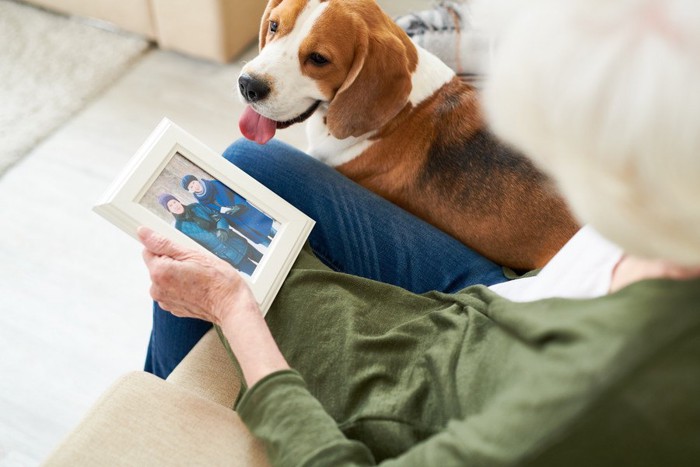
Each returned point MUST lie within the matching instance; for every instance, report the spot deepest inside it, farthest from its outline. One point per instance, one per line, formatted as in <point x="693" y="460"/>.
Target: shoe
<point x="447" y="31"/>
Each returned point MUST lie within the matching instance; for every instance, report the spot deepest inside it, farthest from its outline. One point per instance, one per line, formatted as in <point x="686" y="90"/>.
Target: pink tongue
<point x="255" y="127"/>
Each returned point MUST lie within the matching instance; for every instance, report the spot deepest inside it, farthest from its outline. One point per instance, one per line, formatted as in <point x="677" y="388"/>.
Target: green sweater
<point x="472" y="379"/>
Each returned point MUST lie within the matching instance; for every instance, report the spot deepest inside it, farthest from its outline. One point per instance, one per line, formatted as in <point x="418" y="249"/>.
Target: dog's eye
<point x="273" y="26"/>
<point x="318" y="59"/>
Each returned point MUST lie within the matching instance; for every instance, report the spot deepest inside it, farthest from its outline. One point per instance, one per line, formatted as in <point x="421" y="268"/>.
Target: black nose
<point x="252" y="89"/>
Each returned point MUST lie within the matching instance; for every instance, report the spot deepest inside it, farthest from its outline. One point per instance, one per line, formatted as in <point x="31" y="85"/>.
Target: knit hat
<point x="186" y="180"/>
<point x="164" y="198"/>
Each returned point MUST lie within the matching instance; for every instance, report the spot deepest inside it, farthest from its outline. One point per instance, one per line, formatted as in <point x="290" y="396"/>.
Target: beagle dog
<point x="395" y="119"/>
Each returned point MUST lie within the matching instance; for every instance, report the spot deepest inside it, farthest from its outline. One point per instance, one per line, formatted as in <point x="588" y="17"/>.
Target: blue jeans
<point x="356" y="232"/>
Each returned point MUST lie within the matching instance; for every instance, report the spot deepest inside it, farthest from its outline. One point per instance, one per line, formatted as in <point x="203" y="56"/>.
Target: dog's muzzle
<point x="252" y="89"/>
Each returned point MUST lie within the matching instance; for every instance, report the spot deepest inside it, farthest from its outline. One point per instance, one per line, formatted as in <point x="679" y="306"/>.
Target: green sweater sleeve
<point x="297" y="431"/>
<point x="284" y="398"/>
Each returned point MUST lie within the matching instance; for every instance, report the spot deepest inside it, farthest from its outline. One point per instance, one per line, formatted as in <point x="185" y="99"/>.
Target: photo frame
<point x="182" y="189"/>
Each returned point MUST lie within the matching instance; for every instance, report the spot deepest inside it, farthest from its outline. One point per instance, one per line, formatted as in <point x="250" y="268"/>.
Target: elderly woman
<point x="349" y="371"/>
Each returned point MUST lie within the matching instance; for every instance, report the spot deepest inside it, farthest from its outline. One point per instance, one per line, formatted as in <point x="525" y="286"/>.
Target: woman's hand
<point x="193" y="284"/>
<point x="631" y="269"/>
<point x="196" y="285"/>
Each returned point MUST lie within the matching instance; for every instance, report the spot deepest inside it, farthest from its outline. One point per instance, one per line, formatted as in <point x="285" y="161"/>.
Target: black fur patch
<point x="476" y="171"/>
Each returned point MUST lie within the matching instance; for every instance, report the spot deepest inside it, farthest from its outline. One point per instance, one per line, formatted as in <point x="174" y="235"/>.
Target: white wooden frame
<point x="120" y="204"/>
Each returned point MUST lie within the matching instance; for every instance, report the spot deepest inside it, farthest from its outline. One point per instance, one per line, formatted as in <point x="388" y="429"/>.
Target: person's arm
<point x="296" y="430"/>
<point x="631" y="269"/>
<point x="191" y="284"/>
<point x="225" y="197"/>
<point x="277" y="407"/>
<point x="250" y="340"/>
<point x="235" y="209"/>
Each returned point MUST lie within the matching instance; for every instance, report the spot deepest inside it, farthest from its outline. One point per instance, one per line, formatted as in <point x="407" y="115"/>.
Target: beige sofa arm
<point x="187" y="420"/>
<point x="208" y="372"/>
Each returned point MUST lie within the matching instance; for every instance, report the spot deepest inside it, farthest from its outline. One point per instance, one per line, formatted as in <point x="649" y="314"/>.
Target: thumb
<point x="158" y="244"/>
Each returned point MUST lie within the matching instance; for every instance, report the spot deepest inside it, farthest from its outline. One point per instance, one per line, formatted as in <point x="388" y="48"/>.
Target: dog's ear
<point x="264" y="22"/>
<point x="378" y="84"/>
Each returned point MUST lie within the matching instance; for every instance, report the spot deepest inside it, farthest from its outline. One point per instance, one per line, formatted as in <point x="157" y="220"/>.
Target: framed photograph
<point x="182" y="189"/>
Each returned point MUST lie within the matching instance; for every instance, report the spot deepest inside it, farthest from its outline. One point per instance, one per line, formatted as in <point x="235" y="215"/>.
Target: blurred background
<point x="83" y="84"/>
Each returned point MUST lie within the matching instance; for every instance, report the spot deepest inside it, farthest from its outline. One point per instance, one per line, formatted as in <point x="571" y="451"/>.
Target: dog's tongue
<point x="255" y="127"/>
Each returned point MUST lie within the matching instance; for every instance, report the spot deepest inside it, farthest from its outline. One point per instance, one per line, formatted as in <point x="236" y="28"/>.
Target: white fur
<point x="606" y="97"/>
<point x="431" y="73"/>
<point x="329" y="149"/>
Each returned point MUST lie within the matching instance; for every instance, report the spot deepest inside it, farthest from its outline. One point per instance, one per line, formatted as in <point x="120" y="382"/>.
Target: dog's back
<point x="440" y="162"/>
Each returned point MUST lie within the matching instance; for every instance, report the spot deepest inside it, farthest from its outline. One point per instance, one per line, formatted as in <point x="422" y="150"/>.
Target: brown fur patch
<point x="454" y="174"/>
<point x="358" y="66"/>
<point x="338" y="45"/>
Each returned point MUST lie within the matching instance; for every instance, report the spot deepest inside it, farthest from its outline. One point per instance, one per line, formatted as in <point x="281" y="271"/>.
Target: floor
<point x="74" y="304"/>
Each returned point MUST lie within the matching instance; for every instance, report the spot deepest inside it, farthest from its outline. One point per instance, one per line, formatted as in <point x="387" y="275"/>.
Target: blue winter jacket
<point x="248" y="220"/>
<point x="200" y="224"/>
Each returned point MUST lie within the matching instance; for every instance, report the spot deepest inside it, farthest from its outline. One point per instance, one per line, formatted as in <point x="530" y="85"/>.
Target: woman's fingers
<point x="192" y="284"/>
<point x="159" y="245"/>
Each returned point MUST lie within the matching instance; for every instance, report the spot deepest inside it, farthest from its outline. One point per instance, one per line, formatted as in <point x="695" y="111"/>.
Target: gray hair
<point x="605" y="96"/>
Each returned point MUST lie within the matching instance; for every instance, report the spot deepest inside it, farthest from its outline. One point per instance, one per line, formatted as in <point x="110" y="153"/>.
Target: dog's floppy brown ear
<point x="378" y="84"/>
<point x="263" y="23"/>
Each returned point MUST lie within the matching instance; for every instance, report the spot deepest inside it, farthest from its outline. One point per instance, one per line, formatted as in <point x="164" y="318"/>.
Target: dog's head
<point x="345" y="54"/>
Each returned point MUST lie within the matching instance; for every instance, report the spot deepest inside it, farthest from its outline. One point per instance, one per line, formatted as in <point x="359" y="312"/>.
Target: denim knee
<point x="249" y="154"/>
<point x="277" y="165"/>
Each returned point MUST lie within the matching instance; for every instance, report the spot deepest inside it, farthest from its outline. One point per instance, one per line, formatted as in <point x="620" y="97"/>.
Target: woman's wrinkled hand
<point x="193" y="284"/>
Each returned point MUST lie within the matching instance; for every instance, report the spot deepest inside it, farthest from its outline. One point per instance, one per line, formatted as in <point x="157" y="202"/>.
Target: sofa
<point x="185" y="420"/>
<point x="216" y="30"/>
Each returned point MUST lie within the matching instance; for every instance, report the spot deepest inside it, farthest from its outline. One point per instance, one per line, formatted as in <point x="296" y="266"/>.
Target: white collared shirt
<point x="581" y="269"/>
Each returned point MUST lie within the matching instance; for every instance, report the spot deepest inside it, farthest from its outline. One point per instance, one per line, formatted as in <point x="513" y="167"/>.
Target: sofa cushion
<point x="143" y="420"/>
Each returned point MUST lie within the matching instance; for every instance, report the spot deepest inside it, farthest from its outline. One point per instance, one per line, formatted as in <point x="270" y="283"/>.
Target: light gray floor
<point x="74" y="304"/>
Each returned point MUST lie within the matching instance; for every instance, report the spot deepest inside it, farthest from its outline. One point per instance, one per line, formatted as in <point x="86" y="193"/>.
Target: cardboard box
<point x="217" y="30"/>
<point x="214" y="29"/>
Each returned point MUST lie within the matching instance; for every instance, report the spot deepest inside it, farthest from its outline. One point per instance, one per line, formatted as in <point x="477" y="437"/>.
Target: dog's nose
<point x="252" y="89"/>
